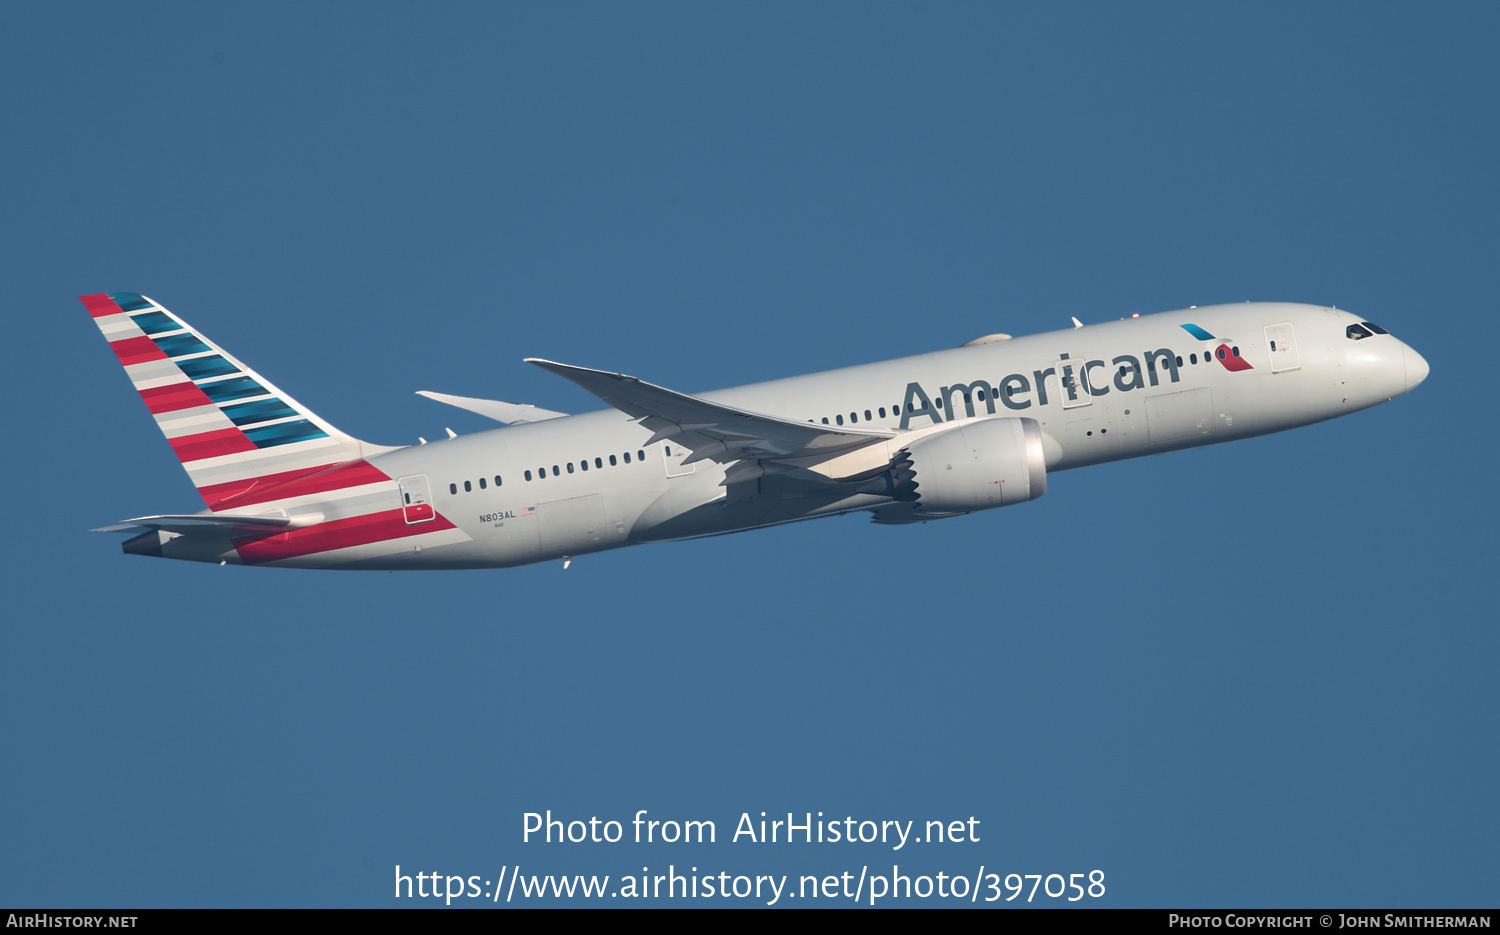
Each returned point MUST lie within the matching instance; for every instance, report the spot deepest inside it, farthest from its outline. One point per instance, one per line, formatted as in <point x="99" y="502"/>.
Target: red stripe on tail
<point x="335" y="534"/>
<point x="136" y="350"/>
<point x="210" y="444"/>
<point x="100" y="305"/>
<point x="175" y="396"/>
<point x="238" y="494"/>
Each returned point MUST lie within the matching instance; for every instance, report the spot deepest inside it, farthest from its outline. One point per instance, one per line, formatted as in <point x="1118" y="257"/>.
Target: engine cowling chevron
<point x="978" y="465"/>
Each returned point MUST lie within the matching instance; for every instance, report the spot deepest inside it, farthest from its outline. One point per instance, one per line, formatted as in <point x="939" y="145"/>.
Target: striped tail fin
<point x="231" y="428"/>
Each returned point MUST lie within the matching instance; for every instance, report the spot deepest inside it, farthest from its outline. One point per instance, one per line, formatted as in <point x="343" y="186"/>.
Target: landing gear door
<point x="1281" y="341"/>
<point x="416" y="500"/>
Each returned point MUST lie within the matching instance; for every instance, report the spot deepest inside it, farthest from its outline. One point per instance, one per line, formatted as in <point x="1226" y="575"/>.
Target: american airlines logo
<point x="1226" y="353"/>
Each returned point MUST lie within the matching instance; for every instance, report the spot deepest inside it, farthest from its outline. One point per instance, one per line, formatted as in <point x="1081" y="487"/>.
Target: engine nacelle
<point x="977" y="465"/>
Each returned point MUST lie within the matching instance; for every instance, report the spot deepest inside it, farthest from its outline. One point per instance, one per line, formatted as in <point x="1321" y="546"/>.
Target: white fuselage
<point x="1102" y="392"/>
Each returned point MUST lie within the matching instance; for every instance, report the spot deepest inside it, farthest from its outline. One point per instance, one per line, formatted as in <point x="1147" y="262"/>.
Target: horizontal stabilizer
<point x="509" y="413"/>
<point x="224" y="523"/>
<point x="713" y="431"/>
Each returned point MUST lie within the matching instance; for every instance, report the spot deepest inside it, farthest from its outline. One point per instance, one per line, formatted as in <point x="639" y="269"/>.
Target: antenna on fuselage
<point x="1077" y="323"/>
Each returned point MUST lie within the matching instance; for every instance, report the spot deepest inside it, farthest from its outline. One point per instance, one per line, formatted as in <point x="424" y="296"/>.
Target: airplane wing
<point x="713" y="431"/>
<point x="509" y="413"/>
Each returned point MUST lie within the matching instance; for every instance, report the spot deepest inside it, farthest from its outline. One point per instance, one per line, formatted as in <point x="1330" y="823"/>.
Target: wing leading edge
<point x="714" y="431"/>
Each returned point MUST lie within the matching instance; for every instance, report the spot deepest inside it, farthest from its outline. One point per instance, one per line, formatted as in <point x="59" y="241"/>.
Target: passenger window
<point x="528" y="475"/>
<point x="1236" y="351"/>
<point x="853" y="418"/>
<point x="556" y="472"/>
<point x="570" y="467"/>
<point x="1220" y="354"/>
<point x="627" y="457"/>
<point x="882" y="412"/>
<point x="468" y="487"/>
<point x="598" y="462"/>
<point x="481" y="483"/>
<point x="867" y="415"/>
<point x="584" y="464"/>
<point x="497" y="480"/>
<point x="640" y="455"/>
<point x="453" y="488"/>
<point x="825" y="420"/>
<point x="612" y="461"/>
<point x="1193" y="358"/>
<point x="839" y="419"/>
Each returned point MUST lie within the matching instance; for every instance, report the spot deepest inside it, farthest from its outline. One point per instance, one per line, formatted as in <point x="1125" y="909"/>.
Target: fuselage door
<point x="575" y="526"/>
<point x="673" y="454"/>
<point x="1281" y="340"/>
<point x="1073" y="380"/>
<point x="416" y="500"/>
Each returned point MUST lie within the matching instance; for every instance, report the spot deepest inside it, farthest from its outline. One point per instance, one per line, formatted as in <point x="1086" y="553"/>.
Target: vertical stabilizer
<point x="229" y="426"/>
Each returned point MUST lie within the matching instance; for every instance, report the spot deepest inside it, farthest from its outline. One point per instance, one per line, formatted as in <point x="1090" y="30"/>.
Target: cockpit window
<point x="1374" y="327"/>
<point x="1357" y="332"/>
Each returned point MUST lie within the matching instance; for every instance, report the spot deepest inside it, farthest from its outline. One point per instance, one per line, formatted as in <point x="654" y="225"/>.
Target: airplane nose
<point x="1416" y="368"/>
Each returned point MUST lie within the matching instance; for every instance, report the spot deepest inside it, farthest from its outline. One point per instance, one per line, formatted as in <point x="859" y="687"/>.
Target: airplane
<point x="932" y="436"/>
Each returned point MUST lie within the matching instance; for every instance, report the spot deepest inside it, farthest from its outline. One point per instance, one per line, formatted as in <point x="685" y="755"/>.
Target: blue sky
<point x="1258" y="674"/>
